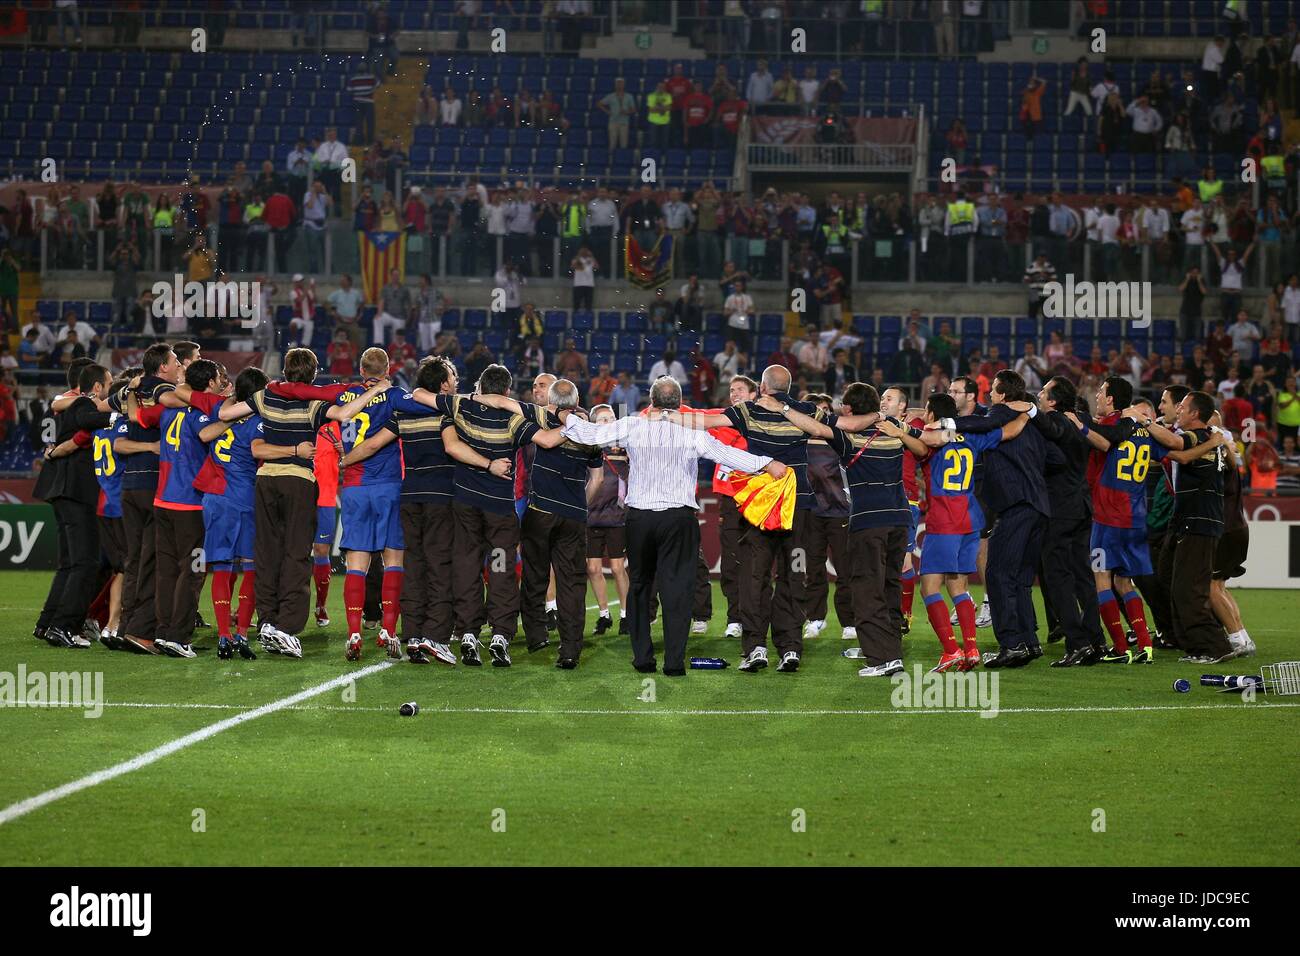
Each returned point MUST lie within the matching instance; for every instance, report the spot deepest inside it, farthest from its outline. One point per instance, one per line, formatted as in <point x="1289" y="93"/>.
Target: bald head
<point x="542" y="386"/>
<point x="666" y="393"/>
<point x="776" y="380"/>
<point x="563" y="394"/>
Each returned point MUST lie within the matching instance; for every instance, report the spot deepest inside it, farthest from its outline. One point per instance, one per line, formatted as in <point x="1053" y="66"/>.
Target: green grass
<point x="650" y="783"/>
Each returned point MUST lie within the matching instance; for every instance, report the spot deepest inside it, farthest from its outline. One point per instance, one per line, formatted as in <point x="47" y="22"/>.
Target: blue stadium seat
<point x="864" y="325"/>
<point x="609" y="322"/>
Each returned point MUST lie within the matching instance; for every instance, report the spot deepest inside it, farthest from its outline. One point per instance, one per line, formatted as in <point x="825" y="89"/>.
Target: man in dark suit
<point x="1064" y="571"/>
<point x="69" y="484"/>
<point x="1016" y="491"/>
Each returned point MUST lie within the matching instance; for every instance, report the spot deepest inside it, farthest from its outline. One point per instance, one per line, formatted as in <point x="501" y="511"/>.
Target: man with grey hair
<point x="663" y="529"/>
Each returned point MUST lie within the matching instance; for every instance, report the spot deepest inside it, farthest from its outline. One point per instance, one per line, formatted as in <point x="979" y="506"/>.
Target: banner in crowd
<point x="881" y="130"/>
<point x="28" y="538"/>
<point x="235" y="362"/>
<point x="381" y="252"/>
<point x="649" y="270"/>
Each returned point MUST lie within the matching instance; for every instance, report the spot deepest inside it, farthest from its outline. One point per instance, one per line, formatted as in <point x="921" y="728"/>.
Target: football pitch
<point x="531" y="765"/>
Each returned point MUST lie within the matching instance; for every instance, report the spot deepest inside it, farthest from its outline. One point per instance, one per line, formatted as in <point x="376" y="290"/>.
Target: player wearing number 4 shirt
<point x="1117" y="471"/>
<point x="953" y="522"/>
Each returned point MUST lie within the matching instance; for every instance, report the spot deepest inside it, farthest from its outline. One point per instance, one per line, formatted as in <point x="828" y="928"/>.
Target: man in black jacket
<point x="69" y="485"/>
<point x="1068" y="589"/>
<point x="1016" y="491"/>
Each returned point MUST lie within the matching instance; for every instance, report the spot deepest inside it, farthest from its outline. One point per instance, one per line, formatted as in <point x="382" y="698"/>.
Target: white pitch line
<point x="662" y="712"/>
<point x="16" y="810"/>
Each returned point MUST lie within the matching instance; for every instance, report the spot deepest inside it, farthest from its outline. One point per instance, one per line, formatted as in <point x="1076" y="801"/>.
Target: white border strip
<point x="14" y="811"/>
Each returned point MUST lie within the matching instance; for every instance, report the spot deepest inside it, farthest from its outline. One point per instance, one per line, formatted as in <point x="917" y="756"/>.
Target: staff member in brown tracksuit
<point x="827" y="533"/>
<point x="731" y="527"/>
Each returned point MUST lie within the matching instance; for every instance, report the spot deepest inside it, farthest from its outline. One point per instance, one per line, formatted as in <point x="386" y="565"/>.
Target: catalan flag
<point x="648" y="270"/>
<point x="764" y="501"/>
<point x="381" y="252"/>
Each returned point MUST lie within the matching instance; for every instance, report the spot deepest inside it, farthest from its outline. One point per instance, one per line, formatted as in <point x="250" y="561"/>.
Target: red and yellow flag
<point x="764" y="501"/>
<point x="381" y="252"/>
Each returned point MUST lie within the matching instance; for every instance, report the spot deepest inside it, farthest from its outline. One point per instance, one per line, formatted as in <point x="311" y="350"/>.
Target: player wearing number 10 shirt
<point x="1117" y="471"/>
<point x="370" y="493"/>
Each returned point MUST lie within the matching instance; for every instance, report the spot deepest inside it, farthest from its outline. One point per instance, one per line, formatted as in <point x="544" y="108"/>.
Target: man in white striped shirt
<point x="663" y="529"/>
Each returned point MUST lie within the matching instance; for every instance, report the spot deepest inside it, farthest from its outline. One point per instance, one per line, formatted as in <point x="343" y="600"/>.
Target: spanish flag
<point x="381" y="252"/>
<point x="764" y="501"/>
<point x="648" y="270"/>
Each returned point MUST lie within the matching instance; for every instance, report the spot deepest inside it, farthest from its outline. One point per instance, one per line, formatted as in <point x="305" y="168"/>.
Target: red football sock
<point x="354" y="599"/>
<point x="909" y="589"/>
<point x="247" y="600"/>
<point x="222" y="585"/>
<point x="938" y="612"/>
<point x="391" y="597"/>
<point x="965" y="608"/>
<point x="321" y="573"/>
<point x="98" y="610"/>
<point x="1137" y="618"/>
<point x="1109" y="609"/>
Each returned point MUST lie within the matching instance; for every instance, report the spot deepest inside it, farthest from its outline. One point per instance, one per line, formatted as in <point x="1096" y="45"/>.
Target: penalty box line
<point x="23" y="807"/>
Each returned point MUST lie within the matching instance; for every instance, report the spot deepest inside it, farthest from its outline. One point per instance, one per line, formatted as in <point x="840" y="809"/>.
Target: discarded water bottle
<point x="1182" y="686"/>
<point x="1236" y="682"/>
<point x="708" y="663"/>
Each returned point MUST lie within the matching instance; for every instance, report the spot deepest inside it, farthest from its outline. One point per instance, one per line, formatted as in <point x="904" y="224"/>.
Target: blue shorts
<point x="372" y="517"/>
<point x="326" y="519"/>
<point x="950" y="553"/>
<point x="229" y="530"/>
<point x="911" y="530"/>
<point x="1120" y="549"/>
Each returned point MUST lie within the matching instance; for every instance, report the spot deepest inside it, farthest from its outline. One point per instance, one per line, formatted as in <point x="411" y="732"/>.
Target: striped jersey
<point x="874" y="465"/>
<point x="557" y="480"/>
<point x="492" y="433"/>
<point x="768" y="435"/>
<point x="430" y="472"/>
<point x="140" y="471"/>
<point x="289" y="421"/>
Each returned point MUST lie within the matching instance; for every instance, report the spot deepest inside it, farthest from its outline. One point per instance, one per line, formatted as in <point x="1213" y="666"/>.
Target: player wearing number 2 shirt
<point x="1122" y="455"/>
<point x="370" y="494"/>
<point x="228" y="481"/>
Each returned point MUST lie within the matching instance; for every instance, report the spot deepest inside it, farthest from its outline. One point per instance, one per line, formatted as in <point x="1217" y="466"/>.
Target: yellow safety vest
<point x="574" y="216"/>
<point x="876" y="7"/>
<point x="961" y="217"/>
<point x="1274" y="167"/>
<point x="164" y="218"/>
<point x="835" y="238"/>
<point x="1209" y="190"/>
<point x="660" y="106"/>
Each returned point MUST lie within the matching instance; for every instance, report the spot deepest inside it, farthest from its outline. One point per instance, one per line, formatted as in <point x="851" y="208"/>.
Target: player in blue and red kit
<point x="1117" y="471"/>
<point x="227" y="480"/>
<point x="953" y="521"/>
<point x="178" y="506"/>
<point x="370" y="493"/>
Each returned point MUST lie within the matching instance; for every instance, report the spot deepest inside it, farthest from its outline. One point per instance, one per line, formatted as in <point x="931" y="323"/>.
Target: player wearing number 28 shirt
<point x="1122" y="455"/>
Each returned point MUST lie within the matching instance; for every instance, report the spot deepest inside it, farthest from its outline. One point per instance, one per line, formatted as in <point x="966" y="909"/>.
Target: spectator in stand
<point x="1227" y="124"/>
<point x="1193" y="291"/>
<point x="936" y="383"/>
<point x="1262" y="395"/>
<point x="532" y="360"/>
<point x="759" y="87"/>
<point x="1080" y="86"/>
<point x="509" y="280"/>
<point x="316" y="206"/>
<point x="1146" y="126"/>
<point x="814" y="354"/>
<point x="584" y="266"/>
<point x="1037" y="276"/>
<point x="342" y="355"/>
<point x="1031" y="367"/>
<point x="479" y="358"/>
<point x="620" y="107"/>
<point x="303" y="303"/>
<point x="1291" y="307"/>
<point x="697" y="111"/>
<point x="572" y="364"/>
<point x="809" y="87"/>
<point x="1031" y="105"/>
<point x="688" y="310"/>
<point x="669" y="365"/>
<point x="78" y="330"/>
<point x="426" y="108"/>
<point x="414" y="214"/>
<point x="1288" y="409"/>
<point x="474" y="115"/>
<point x="1110" y="126"/>
<point x="678" y="85"/>
<point x="345" y="304"/>
<point x="1237" y="411"/>
<point x="626" y="397"/>
<point x="530" y="324"/>
<point x="728" y="363"/>
<point x="279" y="214"/>
<point x="1130" y="365"/>
<point x="726" y="126"/>
<point x="601" y="387"/>
<point x="30" y="353"/>
<point x="828" y="290"/>
<point x="785" y="357"/>
<point x="785" y="94"/>
<point x="394" y="308"/>
<point x="329" y="157"/>
<point x="125" y="262"/>
<point x="1244" y="334"/>
<point x="839" y="374"/>
<point x="703" y="379"/>
<point x="738" y="308"/>
<point x="956" y="139"/>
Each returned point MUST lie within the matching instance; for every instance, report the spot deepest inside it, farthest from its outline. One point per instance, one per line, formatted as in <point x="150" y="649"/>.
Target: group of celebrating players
<point x="483" y="512"/>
